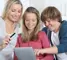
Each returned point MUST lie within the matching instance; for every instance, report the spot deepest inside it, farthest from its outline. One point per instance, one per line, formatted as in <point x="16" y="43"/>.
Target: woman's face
<point x="14" y="13"/>
<point x="30" y="21"/>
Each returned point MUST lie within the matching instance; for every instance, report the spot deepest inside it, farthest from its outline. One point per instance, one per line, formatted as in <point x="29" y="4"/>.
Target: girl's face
<point x="30" y="21"/>
<point x="14" y="13"/>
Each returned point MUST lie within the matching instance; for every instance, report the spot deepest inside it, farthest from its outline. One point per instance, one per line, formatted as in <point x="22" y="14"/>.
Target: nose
<point x="30" y="22"/>
<point x="17" y="13"/>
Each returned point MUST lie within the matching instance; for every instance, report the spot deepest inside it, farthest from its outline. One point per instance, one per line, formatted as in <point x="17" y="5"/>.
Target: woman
<point x="32" y="36"/>
<point x="9" y="25"/>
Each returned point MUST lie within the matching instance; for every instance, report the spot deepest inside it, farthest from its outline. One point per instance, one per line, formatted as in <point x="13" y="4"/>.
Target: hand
<point x="5" y="41"/>
<point x="39" y="51"/>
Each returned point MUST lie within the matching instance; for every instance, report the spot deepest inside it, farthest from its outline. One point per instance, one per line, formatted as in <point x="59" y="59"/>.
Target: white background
<point x="40" y="5"/>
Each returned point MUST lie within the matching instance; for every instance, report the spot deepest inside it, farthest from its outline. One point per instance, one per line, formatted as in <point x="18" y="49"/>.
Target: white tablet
<point x="25" y="53"/>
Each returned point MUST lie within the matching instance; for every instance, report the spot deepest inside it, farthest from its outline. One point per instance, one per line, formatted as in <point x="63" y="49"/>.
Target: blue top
<point x="62" y="47"/>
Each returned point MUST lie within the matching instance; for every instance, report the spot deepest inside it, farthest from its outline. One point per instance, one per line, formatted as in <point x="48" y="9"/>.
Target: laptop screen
<point x="25" y="53"/>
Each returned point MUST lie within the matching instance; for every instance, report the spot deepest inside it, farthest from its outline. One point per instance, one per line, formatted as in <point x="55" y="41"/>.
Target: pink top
<point x="41" y="43"/>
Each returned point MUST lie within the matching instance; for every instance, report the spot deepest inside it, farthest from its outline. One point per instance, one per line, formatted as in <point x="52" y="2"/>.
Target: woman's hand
<point x="5" y="41"/>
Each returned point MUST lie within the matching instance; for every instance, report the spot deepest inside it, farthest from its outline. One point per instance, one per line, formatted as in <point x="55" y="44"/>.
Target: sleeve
<point x="1" y="42"/>
<point x="62" y="47"/>
<point x="44" y="40"/>
<point x="46" y="44"/>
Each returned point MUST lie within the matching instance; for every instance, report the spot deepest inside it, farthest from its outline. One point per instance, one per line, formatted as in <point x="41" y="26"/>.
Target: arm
<point x="46" y="44"/>
<point x="1" y="42"/>
<point x="62" y="47"/>
<point x="51" y="50"/>
<point x="63" y="39"/>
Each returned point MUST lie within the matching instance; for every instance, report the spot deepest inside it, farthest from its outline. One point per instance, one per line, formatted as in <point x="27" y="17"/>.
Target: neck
<point x="30" y="31"/>
<point x="9" y="26"/>
<point x="9" y="22"/>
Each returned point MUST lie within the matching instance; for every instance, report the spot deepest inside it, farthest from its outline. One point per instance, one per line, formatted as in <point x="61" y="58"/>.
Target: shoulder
<point x="41" y="33"/>
<point x="45" y="29"/>
<point x="2" y="27"/>
<point x="63" y="29"/>
<point x="63" y="26"/>
<point x="64" y="23"/>
<point x="1" y="20"/>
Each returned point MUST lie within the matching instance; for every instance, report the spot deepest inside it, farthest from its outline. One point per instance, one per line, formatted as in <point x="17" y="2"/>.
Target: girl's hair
<point x="33" y="35"/>
<point x="9" y="4"/>
<point x="51" y="12"/>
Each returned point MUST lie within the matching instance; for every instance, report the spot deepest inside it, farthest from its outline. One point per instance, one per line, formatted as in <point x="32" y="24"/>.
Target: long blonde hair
<point x="9" y="4"/>
<point x="33" y="35"/>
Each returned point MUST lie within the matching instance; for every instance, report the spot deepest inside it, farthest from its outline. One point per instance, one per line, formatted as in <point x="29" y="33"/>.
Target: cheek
<point x="19" y="15"/>
<point x="26" y="23"/>
<point x="34" y="24"/>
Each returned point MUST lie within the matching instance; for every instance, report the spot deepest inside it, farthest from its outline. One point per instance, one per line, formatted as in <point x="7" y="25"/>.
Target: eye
<point x="48" y="21"/>
<point x="26" y="20"/>
<point x="13" y="10"/>
<point x="33" y="20"/>
<point x="19" y="11"/>
<point x="45" y="22"/>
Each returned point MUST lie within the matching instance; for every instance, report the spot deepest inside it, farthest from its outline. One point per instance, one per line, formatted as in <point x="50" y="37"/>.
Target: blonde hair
<point x="33" y="35"/>
<point x="9" y="4"/>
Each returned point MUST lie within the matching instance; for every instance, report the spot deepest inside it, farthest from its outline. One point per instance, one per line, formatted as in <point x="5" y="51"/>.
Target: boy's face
<point x="52" y="24"/>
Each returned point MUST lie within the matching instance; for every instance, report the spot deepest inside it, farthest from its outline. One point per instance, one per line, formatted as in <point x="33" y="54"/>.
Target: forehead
<point x="15" y="6"/>
<point x="51" y="20"/>
<point x="30" y="14"/>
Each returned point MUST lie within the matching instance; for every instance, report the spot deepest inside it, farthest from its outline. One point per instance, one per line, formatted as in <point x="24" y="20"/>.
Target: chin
<point x="14" y="21"/>
<point x="51" y="29"/>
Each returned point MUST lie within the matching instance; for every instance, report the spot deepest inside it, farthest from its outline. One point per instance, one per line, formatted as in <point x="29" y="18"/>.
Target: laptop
<point x="25" y="53"/>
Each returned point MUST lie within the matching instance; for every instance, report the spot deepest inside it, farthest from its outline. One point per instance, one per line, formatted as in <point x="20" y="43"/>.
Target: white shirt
<point x="8" y="50"/>
<point x="55" y="41"/>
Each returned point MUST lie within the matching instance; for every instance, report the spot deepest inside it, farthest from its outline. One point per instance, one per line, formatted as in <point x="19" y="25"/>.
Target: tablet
<point x="25" y="53"/>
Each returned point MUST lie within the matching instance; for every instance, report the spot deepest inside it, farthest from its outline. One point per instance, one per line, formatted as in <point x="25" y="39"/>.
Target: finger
<point x="5" y="42"/>
<point x="36" y="51"/>
<point x="7" y="37"/>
